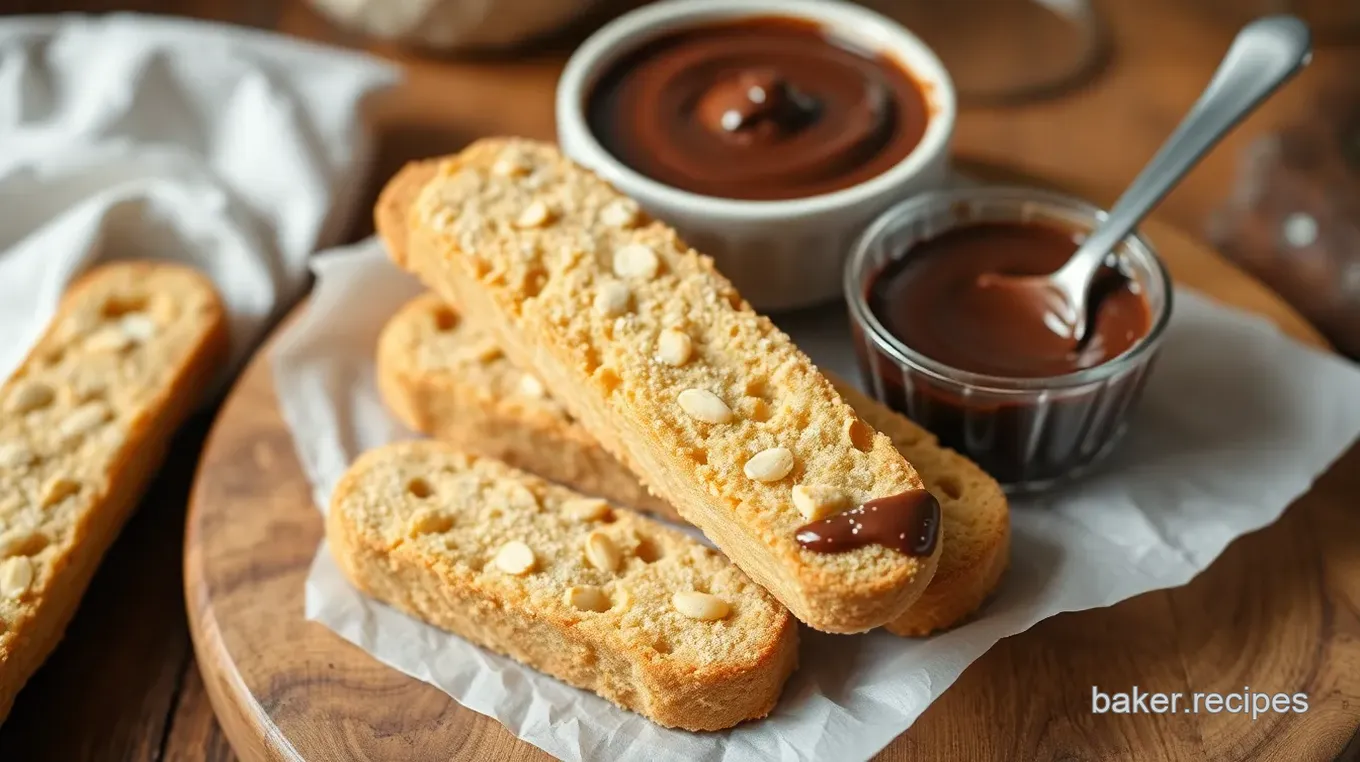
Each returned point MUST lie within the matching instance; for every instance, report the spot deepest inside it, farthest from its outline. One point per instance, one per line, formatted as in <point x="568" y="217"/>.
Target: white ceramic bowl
<point x="780" y="254"/>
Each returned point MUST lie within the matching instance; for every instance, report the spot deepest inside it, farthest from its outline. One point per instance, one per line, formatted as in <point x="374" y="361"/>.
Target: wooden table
<point x="1284" y="601"/>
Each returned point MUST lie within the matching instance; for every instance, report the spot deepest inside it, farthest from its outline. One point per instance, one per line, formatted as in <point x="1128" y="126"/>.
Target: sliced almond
<point x="769" y="465"/>
<point x="515" y="557"/>
<point x="530" y="386"/>
<point x="519" y="496"/>
<point x="621" y="213"/>
<point x="674" y="347"/>
<point x="16" y="574"/>
<point x="636" y="261"/>
<point x="587" y="598"/>
<point x="15" y="455"/>
<point x="511" y="163"/>
<point x="703" y="405"/>
<point x="28" y="396"/>
<point x="109" y="339"/>
<point x="602" y="553"/>
<point x="138" y="327"/>
<point x="585" y="509"/>
<point x="85" y="419"/>
<point x="535" y="215"/>
<point x="58" y="490"/>
<point x="443" y="219"/>
<point x="14" y="541"/>
<point x="817" y="502"/>
<point x="612" y="299"/>
<point x="701" y="606"/>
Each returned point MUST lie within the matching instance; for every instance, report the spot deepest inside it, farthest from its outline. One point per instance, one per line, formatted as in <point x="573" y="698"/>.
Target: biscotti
<point x="443" y="377"/>
<point x="661" y="360"/>
<point x="84" y="424"/>
<point x="976" y="518"/>
<point x="594" y="595"/>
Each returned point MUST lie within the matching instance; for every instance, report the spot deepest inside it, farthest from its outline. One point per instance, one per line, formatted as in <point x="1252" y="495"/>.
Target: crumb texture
<point x="84" y="423"/>
<point x="582" y="591"/>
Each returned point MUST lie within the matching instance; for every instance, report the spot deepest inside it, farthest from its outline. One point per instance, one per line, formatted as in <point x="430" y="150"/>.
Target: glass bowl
<point x="1028" y="433"/>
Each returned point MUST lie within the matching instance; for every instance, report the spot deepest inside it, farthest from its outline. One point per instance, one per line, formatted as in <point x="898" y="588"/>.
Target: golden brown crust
<point x="84" y="424"/>
<point x="443" y="377"/>
<point x="523" y="240"/>
<point x="975" y="515"/>
<point x="424" y="527"/>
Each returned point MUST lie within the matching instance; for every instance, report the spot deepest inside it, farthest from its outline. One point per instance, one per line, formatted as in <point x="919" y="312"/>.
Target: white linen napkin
<point x="1237" y="421"/>
<point x="125" y="136"/>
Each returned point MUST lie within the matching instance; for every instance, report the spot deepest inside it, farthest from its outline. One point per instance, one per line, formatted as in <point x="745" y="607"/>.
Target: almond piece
<point x="515" y="557"/>
<point x="29" y="396"/>
<point x="137" y="327"/>
<point x="15" y="455"/>
<point x="519" y="496"/>
<point x="13" y="541"/>
<point x="108" y="339"/>
<point x="84" y="419"/>
<point x="636" y="261"/>
<point x="703" y="405"/>
<point x="817" y="502"/>
<point x="674" y="347"/>
<point x="585" y="509"/>
<point x="587" y="598"/>
<point x="531" y="387"/>
<point x="16" y="574"/>
<point x="621" y="213"/>
<point x="58" y="490"/>
<point x="535" y="215"/>
<point x="769" y="465"/>
<point x="701" y="606"/>
<point x="612" y="299"/>
<point x="602" y="553"/>
<point x="511" y="163"/>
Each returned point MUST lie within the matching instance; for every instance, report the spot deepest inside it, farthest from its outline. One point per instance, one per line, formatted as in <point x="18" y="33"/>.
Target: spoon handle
<point x="1265" y="54"/>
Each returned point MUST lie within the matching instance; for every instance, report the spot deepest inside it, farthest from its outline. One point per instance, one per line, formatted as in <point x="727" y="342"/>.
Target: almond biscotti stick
<point x="596" y="596"/>
<point x="84" y="424"/>
<point x="662" y="361"/>
<point x="444" y="377"/>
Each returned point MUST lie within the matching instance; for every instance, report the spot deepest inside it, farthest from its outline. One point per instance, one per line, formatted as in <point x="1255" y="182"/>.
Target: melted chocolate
<point x="908" y="522"/>
<point x="938" y="301"/>
<point x="935" y="300"/>
<point x="761" y="108"/>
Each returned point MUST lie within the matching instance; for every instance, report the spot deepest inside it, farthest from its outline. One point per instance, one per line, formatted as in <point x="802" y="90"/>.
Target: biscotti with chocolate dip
<point x="661" y="360"/>
<point x="443" y="377"/>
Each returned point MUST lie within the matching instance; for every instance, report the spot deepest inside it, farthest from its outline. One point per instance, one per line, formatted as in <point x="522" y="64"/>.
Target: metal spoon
<point x="1265" y="54"/>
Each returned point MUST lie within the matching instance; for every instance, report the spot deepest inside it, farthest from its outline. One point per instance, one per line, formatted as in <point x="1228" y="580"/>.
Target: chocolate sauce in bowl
<point x="762" y="108"/>
<point x="937" y="302"/>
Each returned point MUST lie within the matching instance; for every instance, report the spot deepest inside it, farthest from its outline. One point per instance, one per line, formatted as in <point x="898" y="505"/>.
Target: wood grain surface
<point x="1265" y="615"/>
<point x="124" y="684"/>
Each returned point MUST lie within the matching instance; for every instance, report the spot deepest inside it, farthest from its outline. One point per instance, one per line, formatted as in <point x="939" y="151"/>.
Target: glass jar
<point x="1028" y="433"/>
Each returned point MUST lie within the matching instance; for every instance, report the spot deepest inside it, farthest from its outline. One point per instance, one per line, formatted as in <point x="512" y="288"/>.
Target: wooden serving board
<point x="1277" y="612"/>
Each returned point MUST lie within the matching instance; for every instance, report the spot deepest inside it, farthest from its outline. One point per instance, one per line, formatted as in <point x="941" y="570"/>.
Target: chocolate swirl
<point x="762" y="109"/>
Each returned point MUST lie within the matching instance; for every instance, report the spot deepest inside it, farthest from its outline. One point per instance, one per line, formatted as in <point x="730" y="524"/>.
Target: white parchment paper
<point x="1236" y="422"/>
